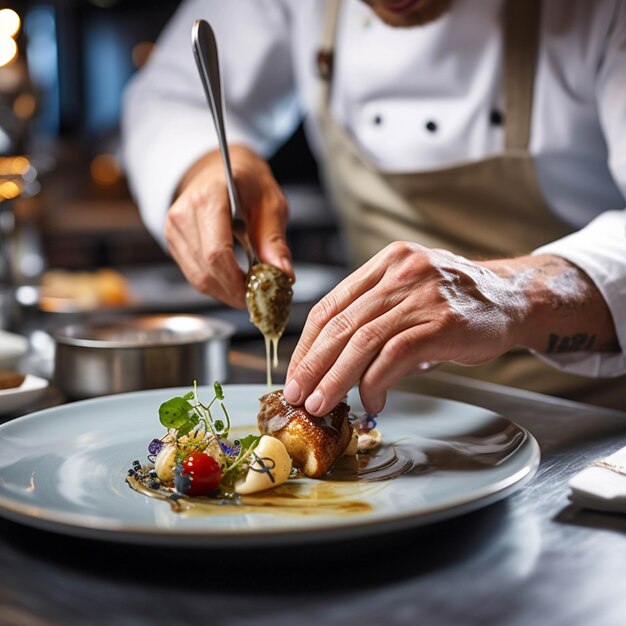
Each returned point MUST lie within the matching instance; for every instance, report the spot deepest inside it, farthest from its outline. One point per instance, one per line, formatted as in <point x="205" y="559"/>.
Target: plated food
<point x="65" y="469"/>
<point x="204" y="465"/>
<point x="314" y="443"/>
<point x="201" y="455"/>
<point x="10" y="379"/>
<point x="62" y="290"/>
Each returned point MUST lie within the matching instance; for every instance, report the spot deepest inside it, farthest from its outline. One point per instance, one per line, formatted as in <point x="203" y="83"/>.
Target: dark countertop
<point x="532" y="559"/>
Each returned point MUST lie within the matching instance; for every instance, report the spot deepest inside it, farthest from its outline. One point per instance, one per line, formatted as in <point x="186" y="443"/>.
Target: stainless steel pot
<point x="144" y="352"/>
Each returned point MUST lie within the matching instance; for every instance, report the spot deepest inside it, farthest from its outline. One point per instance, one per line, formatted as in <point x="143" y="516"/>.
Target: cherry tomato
<point x="200" y="474"/>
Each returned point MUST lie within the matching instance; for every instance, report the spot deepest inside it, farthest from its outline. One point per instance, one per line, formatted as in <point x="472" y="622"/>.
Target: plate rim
<point x="98" y="528"/>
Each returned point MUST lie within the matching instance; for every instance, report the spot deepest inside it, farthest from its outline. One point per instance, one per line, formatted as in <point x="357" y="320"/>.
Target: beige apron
<point x="486" y="209"/>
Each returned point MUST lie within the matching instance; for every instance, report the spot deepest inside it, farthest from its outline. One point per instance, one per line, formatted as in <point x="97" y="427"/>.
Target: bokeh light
<point x="14" y="166"/>
<point x="9" y="189"/>
<point x="141" y="53"/>
<point x="8" y="50"/>
<point x="10" y="23"/>
<point x="24" y="106"/>
<point x="105" y="170"/>
<point x="20" y="164"/>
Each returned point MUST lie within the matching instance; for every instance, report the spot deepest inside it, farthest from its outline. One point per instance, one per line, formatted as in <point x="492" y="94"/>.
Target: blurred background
<point x="66" y="214"/>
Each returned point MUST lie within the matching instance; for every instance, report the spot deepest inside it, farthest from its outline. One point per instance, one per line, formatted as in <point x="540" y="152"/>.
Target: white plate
<point x="64" y="470"/>
<point x="19" y="397"/>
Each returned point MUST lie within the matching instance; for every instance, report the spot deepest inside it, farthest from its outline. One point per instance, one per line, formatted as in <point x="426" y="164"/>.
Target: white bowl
<point x="16" y="398"/>
<point x="12" y="348"/>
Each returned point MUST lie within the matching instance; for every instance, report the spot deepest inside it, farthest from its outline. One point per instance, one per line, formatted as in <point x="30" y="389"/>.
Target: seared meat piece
<point x="314" y="443"/>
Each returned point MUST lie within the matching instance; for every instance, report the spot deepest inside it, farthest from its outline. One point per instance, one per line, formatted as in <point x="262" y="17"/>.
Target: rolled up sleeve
<point x="599" y="249"/>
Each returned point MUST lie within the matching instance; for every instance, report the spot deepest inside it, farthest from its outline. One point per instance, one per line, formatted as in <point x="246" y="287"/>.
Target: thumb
<point x="269" y="237"/>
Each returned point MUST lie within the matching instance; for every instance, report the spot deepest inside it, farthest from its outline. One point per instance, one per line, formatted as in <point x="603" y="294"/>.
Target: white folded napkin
<point x="602" y="485"/>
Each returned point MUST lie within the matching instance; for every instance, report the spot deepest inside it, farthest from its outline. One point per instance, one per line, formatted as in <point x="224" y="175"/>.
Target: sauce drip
<point x="268" y="298"/>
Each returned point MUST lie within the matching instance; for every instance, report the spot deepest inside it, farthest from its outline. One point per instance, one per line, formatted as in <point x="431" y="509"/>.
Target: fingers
<point x="268" y="225"/>
<point x="344" y="348"/>
<point x="199" y="236"/>
<point x="198" y="227"/>
<point x="265" y="207"/>
<point x="411" y="351"/>
<point x="408" y="306"/>
<point x="364" y="348"/>
<point x="333" y="304"/>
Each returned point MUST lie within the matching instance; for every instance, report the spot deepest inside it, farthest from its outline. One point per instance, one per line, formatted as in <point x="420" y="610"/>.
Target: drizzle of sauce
<point x="293" y="498"/>
<point x="268" y="298"/>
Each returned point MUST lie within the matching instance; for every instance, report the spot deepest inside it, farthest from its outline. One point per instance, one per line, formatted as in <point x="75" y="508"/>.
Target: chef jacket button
<point x="378" y="120"/>
<point x="431" y="126"/>
<point x="496" y="117"/>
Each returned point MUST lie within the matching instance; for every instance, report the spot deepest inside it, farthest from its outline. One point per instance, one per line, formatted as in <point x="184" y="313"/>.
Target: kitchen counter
<point x="531" y="559"/>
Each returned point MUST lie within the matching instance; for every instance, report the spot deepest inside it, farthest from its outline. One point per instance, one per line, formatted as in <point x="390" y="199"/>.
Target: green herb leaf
<point x="219" y="392"/>
<point x="178" y="413"/>
<point x="189" y="395"/>
<point x="250" y="442"/>
<point x="219" y="425"/>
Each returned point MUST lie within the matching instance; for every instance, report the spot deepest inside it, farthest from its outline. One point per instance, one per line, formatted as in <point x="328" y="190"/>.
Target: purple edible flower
<point x="154" y="447"/>
<point x="230" y="450"/>
<point x="364" y="422"/>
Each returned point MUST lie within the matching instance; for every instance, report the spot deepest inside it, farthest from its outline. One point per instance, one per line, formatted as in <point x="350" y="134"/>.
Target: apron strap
<point x="326" y="52"/>
<point x="521" y="38"/>
<point x="329" y="33"/>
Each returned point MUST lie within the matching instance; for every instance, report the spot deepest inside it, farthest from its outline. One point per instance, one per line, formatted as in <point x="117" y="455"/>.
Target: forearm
<point x="563" y="310"/>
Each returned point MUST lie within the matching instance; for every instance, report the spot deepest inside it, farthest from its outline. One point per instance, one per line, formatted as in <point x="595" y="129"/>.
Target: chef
<point x="476" y="151"/>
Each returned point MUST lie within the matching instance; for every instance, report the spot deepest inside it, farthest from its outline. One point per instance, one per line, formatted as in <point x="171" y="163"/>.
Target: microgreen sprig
<point x="184" y="413"/>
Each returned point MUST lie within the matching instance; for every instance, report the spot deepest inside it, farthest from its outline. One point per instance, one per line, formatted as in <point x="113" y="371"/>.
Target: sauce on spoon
<point x="268" y="298"/>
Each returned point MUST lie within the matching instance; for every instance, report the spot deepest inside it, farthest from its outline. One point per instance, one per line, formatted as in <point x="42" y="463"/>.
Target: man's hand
<point x="198" y="228"/>
<point x="410" y="306"/>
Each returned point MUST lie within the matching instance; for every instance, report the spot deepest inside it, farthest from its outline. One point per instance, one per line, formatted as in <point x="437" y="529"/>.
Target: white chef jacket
<point x="414" y="99"/>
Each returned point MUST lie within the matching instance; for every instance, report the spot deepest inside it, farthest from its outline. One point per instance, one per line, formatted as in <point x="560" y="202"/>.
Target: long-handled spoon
<point x="268" y="289"/>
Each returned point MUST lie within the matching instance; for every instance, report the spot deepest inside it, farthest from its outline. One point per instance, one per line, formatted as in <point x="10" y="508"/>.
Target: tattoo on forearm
<point x="580" y="342"/>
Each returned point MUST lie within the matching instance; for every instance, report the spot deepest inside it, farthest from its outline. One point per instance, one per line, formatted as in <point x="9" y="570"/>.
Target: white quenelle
<point x="272" y="454"/>
<point x="369" y="440"/>
<point x="165" y="462"/>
